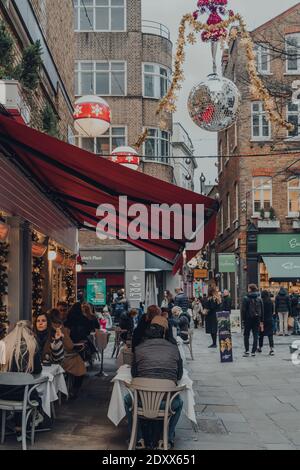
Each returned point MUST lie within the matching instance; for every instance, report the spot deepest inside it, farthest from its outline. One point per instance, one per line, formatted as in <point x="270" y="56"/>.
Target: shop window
<point x="156" y="80"/>
<point x="292" y="43"/>
<point x="100" y="15"/>
<point x="294" y="197"/>
<point x="100" y="78"/>
<point x="262" y="195"/>
<point x="261" y="127"/>
<point x="104" y="145"/>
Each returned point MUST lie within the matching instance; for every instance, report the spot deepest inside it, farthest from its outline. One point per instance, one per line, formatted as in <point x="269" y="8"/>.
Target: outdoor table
<point x="55" y="384"/>
<point x="116" y="410"/>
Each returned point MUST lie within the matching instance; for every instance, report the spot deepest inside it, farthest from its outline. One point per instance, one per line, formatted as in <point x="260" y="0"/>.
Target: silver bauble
<point x="214" y="104"/>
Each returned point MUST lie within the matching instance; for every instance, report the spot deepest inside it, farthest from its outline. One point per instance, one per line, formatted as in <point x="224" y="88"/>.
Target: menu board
<point x="96" y="292"/>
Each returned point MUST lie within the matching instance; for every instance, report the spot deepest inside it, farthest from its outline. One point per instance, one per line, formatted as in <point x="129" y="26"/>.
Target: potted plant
<point x="272" y="214"/>
<point x="269" y="222"/>
<point x="262" y="213"/>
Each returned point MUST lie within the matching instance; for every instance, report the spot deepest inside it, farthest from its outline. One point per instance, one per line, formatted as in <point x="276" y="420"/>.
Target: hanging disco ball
<point x="214" y="104"/>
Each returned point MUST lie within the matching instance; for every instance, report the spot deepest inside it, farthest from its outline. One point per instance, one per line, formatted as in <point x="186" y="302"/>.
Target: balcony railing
<point x="152" y="27"/>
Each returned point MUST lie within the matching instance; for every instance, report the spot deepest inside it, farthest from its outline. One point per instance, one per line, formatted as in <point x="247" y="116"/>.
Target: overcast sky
<point x="198" y="60"/>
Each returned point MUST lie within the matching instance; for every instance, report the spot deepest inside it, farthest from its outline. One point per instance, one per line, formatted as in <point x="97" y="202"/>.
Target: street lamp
<point x="202" y="182"/>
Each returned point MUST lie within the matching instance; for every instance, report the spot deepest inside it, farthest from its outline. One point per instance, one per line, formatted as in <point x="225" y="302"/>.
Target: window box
<point x="268" y="223"/>
<point x="11" y="98"/>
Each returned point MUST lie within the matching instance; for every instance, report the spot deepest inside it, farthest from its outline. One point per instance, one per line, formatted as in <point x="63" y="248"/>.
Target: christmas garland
<point x="37" y="281"/>
<point x="214" y="30"/>
<point x="4" y="251"/>
<point x="69" y="280"/>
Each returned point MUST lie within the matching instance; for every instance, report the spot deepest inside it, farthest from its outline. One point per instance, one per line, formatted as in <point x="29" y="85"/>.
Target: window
<point x="237" y="201"/>
<point x="100" y="15"/>
<point x="261" y="127"/>
<point x="156" y="80"/>
<point x="294" y="197"/>
<point x="157" y="146"/>
<point x="262" y="58"/>
<point x="104" y="145"/>
<point x="221" y="220"/>
<point x="292" y="52"/>
<point x="293" y="116"/>
<point x="262" y="194"/>
<point x="220" y="157"/>
<point x="100" y="78"/>
<point x="228" y="211"/>
<point x="227" y="147"/>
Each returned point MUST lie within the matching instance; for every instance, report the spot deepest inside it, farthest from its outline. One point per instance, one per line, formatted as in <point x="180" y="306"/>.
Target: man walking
<point x="181" y="300"/>
<point x="283" y="308"/>
<point x="253" y="317"/>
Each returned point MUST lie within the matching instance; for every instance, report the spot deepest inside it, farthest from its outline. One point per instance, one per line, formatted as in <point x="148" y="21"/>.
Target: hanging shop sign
<point x="96" y="292"/>
<point x="227" y="263"/>
<point x="282" y="243"/>
<point x="38" y="249"/>
<point x="200" y="274"/>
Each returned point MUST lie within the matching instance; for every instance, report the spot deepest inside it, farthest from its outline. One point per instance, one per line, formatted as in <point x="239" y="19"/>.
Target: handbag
<point x="205" y="312"/>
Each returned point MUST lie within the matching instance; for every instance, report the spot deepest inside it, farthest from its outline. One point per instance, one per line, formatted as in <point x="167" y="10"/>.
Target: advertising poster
<point x="235" y="321"/>
<point x="96" y="292"/>
<point x="225" y="341"/>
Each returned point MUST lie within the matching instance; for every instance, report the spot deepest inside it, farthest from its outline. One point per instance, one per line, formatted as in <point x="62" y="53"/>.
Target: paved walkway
<point x="253" y="403"/>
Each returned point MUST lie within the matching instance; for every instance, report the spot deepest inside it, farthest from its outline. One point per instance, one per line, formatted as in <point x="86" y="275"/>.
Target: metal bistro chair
<point x="118" y="341"/>
<point x="27" y="406"/>
<point x="147" y="396"/>
<point x="189" y="342"/>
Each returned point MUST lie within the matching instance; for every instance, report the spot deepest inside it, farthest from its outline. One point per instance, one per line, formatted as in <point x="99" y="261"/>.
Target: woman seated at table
<point x="55" y="342"/>
<point x="127" y="324"/>
<point x="181" y="322"/>
<point x="81" y="323"/>
<point x="22" y="355"/>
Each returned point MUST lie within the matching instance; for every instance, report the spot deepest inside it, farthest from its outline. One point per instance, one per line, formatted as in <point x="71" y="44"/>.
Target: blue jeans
<point x="176" y="407"/>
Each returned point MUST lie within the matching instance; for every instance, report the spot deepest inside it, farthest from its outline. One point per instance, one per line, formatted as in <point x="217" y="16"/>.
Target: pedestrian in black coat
<point x="227" y="302"/>
<point x="212" y="305"/>
<point x="267" y="322"/>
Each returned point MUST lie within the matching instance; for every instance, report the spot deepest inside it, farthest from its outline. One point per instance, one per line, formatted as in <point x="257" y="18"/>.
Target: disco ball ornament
<point x="214" y="104"/>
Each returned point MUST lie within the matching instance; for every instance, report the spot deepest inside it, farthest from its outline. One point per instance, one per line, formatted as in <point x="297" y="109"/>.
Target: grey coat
<point x="157" y="359"/>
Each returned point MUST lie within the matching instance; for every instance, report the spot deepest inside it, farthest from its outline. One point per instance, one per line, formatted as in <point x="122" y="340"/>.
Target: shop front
<point x="227" y="267"/>
<point x="279" y="262"/>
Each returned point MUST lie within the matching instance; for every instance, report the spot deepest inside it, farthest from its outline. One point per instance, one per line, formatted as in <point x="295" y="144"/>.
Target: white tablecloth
<point x="116" y="410"/>
<point x="49" y="390"/>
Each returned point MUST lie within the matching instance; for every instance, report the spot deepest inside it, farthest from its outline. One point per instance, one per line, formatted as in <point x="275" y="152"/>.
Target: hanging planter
<point x="38" y="249"/>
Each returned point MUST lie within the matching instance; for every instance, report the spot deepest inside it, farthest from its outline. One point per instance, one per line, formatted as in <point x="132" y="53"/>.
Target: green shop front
<point x="279" y="261"/>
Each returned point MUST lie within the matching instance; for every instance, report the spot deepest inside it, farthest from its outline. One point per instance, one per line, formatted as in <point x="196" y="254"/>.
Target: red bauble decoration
<point x="92" y="116"/>
<point x="126" y="156"/>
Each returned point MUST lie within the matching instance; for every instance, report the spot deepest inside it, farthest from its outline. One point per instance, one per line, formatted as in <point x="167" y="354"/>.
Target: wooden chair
<point x="27" y="406"/>
<point x="148" y="396"/>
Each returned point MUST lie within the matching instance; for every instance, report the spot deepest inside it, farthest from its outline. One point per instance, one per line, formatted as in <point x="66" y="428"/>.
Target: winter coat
<point x="157" y="359"/>
<point x="268" y="317"/>
<point x="227" y="304"/>
<point x="72" y="363"/>
<point x="295" y="305"/>
<point x="246" y="311"/>
<point x="282" y="302"/>
<point x="211" y="322"/>
<point x="181" y="300"/>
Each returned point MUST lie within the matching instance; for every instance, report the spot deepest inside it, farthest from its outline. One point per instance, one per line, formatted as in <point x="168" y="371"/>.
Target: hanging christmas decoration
<point x="92" y="116"/>
<point x="215" y="30"/>
<point x="213" y="105"/>
<point x="37" y="285"/>
<point x="126" y="156"/>
<point x="69" y="281"/>
<point x="4" y="251"/>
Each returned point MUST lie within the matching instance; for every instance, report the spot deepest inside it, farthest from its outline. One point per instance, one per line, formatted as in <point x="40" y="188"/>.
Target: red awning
<point x="79" y="181"/>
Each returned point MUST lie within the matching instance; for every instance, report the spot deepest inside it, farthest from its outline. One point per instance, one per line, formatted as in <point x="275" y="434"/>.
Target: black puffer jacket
<point x="282" y="302"/>
<point x="295" y="305"/>
<point x="248" y="303"/>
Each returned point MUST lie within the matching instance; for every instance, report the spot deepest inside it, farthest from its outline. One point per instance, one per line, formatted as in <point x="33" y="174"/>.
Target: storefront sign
<point x="225" y="340"/>
<point x="102" y="260"/>
<point x="283" y="243"/>
<point x="96" y="291"/>
<point x="200" y="274"/>
<point x="227" y="263"/>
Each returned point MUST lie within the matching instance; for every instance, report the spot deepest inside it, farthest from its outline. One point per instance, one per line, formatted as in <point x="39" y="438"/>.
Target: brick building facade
<point x="260" y="192"/>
